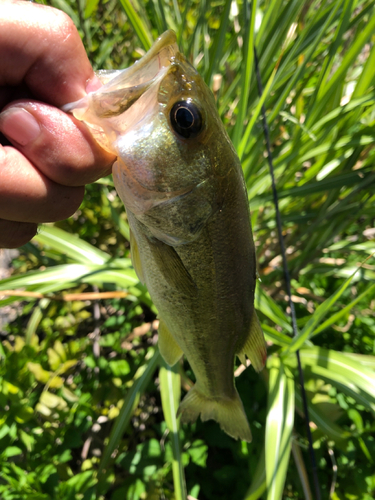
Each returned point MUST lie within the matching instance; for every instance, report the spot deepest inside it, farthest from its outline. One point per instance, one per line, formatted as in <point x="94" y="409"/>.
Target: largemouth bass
<point x="181" y="182"/>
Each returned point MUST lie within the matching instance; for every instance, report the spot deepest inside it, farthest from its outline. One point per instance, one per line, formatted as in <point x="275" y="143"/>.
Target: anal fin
<point x="255" y="347"/>
<point x="168" y="347"/>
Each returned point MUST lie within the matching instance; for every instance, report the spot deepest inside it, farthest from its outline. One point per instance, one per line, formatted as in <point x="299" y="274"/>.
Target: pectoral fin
<point x="168" y="347"/>
<point x="172" y="268"/>
<point x="255" y="346"/>
<point x="136" y="259"/>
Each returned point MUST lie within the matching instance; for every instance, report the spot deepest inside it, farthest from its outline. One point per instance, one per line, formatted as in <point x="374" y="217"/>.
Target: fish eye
<point x="186" y="119"/>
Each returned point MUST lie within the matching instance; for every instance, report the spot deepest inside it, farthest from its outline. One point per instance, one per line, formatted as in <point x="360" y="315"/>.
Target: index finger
<point x="41" y="47"/>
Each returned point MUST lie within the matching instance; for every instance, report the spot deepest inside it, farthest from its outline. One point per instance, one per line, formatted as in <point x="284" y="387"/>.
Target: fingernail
<point x="19" y="125"/>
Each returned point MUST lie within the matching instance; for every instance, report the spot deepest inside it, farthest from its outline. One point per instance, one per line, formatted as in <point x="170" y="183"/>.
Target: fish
<point x="191" y="241"/>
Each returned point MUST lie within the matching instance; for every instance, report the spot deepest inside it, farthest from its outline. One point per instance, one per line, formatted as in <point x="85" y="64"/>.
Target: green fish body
<point x="181" y="182"/>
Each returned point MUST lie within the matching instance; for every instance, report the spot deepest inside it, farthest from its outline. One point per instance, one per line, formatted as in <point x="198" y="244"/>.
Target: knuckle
<point x="65" y="23"/>
<point x="63" y="27"/>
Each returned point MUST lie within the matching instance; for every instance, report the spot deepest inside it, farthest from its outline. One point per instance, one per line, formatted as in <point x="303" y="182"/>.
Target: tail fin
<point x="229" y="413"/>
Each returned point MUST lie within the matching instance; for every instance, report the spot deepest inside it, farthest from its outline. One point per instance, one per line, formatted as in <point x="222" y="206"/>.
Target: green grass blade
<point x="217" y="46"/>
<point x="324" y="424"/>
<point x="298" y="75"/>
<point x="267" y="306"/>
<point x="138" y="23"/>
<point x="345" y="366"/>
<point x="70" y="245"/>
<point x="352" y="376"/>
<point x="140" y="381"/>
<point x="275" y="337"/>
<point x="317" y="317"/>
<point x="65" y="275"/>
<point x="367" y="76"/>
<point x="279" y="426"/>
<point x="35" y="319"/>
<point x="170" y="391"/>
<point x="249" y="128"/>
<point x="258" y="485"/>
<point x="246" y="70"/>
<point x="336" y="317"/>
<point x="334" y="47"/>
<point x="339" y="76"/>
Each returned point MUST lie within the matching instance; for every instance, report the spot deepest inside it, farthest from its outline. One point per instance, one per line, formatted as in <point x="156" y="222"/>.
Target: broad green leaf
<point x="276" y="337"/>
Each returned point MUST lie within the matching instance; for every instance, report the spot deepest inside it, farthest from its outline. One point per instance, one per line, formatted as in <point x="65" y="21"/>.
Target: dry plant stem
<point x="334" y="469"/>
<point x="96" y="333"/>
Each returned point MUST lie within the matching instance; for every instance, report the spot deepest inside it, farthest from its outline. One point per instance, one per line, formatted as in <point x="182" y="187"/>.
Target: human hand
<point x="43" y="66"/>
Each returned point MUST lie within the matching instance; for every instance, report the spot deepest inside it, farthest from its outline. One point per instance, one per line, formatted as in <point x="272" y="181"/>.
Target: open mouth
<point x="108" y="111"/>
<point x="123" y="88"/>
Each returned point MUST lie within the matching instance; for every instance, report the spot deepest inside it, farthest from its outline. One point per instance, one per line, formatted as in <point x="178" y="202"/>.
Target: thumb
<point x="61" y="147"/>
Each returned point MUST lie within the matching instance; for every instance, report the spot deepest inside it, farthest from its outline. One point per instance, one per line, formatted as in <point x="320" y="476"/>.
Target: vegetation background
<point x="88" y="408"/>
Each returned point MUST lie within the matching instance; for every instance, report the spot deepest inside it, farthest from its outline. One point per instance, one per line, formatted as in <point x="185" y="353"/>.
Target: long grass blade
<point x="350" y="375"/>
<point x="258" y="485"/>
<point x="170" y="391"/>
<point x="324" y="424"/>
<point x="70" y="245"/>
<point x="217" y="46"/>
<point x="279" y="426"/>
<point x="317" y="317"/>
<point x="138" y="24"/>
<point x="246" y="74"/>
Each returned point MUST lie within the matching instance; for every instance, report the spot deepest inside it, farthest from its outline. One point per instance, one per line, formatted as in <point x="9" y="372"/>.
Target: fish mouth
<point x="122" y="88"/>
